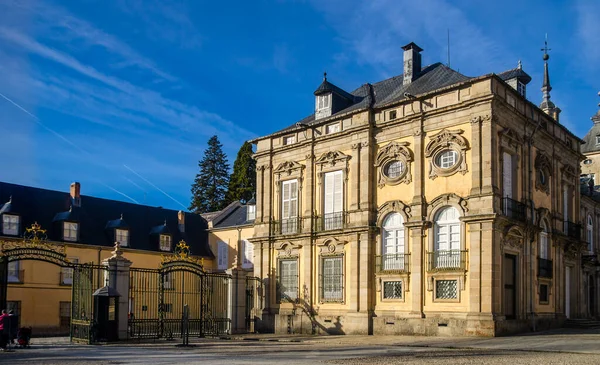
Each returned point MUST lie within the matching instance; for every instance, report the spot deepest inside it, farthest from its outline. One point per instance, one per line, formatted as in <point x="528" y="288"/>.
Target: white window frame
<point x="70" y="231"/>
<point x="383" y="285"/>
<point x="288" y="279"/>
<point x="333" y="198"/>
<point x="222" y="255"/>
<point x="447" y="238"/>
<point x="287" y="140"/>
<point x="289" y="206"/>
<point x="165" y="242"/>
<point x="393" y="243"/>
<point x="448" y="299"/>
<point x="598" y="140"/>
<point x="521" y="89"/>
<point x="122" y="236"/>
<point x="168" y="282"/>
<point x="248" y="254"/>
<point x="447" y="159"/>
<point x="544" y="246"/>
<point x="590" y="233"/>
<point x="11" y="224"/>
<point x="333" y="128"/>
<point x="14" y="271"/>
<point x="332" y="279"/>
<point x="323" y="102"/>
<point x="251" y="213"/>
<point x="508" y="180"/>
<point x="67" y="272"/>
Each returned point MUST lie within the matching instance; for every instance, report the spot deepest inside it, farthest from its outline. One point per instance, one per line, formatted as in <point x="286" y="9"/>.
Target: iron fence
<point x="572" y="230"/>
<point x="447" y="260"/>
<point x="393" y="262"/>
<point x="514" y="209"/>
<point x="330" y="221"/>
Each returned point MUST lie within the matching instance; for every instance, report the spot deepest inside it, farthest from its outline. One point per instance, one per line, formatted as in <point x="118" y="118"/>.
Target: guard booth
<point x="106" y="314"/>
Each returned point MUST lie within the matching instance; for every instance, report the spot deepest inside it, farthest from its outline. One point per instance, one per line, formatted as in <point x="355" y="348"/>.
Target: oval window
<point x="587" y="162"/>
<point x="542" y="177"/>
<point x="394" y="169"/>
<point x="447" y="158"/>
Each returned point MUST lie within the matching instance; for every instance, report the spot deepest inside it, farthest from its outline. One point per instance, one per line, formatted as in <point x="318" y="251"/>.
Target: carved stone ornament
<point x="568" y="173"/>
<point x="543" y="171"/>
<point x="441" y="143"/>
<point x="394" y="206"/>
<point x="288" y="167"/>
<point x="398" y="154"/>
<point x="480" y="119"/>
<point x="571" y="252"/>
<point x="510" y="139"/>
<point x="513" y="238"/>
<point x="331" y="246"/>
<point x="448" y="199"/>
<point x="332" y="159"/>
<point x="288" y="249"/>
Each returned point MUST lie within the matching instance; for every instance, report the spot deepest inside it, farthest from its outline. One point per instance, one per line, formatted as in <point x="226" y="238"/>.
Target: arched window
<point x="590" y="233"/>
<point x="393" y="242"/>
<point x="447" y="238"/>
<point x="544" y="250"/>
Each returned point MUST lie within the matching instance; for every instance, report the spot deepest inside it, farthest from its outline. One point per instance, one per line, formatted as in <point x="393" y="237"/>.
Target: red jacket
<point x="2" y="321"/>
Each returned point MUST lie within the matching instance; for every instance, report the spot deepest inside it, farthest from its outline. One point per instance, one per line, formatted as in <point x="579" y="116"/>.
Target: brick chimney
<point x="412" y="62"/>
<point x="76" y="194"/>
<point x="181" y="221"/>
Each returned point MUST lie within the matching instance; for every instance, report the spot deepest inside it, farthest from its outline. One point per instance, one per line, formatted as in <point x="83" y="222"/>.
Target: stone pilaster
<point x="419" y="175"/>
<point x="355" y="178"/>
<point x="365" y="184"/>
<point x="118" y="279"/>
<point x="476" y="157"/>
<point x="488" y="181"/>
<point x="308" y="192"/>
<point x="417" y="269"/>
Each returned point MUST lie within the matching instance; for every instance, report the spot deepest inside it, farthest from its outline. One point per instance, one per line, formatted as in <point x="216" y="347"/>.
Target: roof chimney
<point x="412" y="62"/>
<point x="76" y="194"/>
<point x="181" y="221"/>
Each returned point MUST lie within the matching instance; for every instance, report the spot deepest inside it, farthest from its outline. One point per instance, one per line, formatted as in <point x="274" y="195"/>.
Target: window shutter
<point x="329" y="192"/>
<point x="294" y="199"/>
<point x="338" y="191"/>
<point x="223" y="252"/>
<point x="507" y="175"/>
<point x="248" y="253"/>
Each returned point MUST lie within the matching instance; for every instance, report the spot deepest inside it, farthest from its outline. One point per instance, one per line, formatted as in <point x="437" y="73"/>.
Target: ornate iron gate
<point x="252" y="300"/>
<point x="157" y="298"/>
<point x="87" y="278"/>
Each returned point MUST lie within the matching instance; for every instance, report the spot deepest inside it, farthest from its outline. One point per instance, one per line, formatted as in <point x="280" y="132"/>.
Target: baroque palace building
<point x="427" y="203"/>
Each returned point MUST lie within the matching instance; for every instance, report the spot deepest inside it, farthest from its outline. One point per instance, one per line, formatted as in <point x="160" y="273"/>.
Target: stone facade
<point x="496" y="279"/>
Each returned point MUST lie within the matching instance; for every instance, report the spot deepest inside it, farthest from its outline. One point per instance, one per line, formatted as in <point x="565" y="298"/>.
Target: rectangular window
<point x="289" y="206"/>
<point x="333" y="200"/>
<point x="392" y="115"/>
<point x="446" y="289"/>
<point x="597" y="139"/>
<point x="165" y="242"/>
<point x="323" y="101"/>
<point x="65" y="315"/>
<point x="289" y="140"/>
<point x="168" y="281"/>
<point x="168" y="307"/>
<point x="223" y="259"/>
<point x="332" y="128"/>
<point x="507" y="175"/>
<point x="10" y="224"/>
<point x="251" y="215"/>
<point x="15" y="274"/>
<point x="66" y="273"/>
<point x="543" y="293"/>
<point x="122" y="236"/>
<point x="332" y="279"/>
<point x="392" y="290"/>
<point x="70" y="231"/>
<point x="288" y="280"/>
<point x="248" y="252"/>
<point x="521" y="88"/>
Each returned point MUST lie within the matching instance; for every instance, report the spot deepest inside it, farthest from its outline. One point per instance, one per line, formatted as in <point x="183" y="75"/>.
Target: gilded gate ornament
<point x="34" y="246"/>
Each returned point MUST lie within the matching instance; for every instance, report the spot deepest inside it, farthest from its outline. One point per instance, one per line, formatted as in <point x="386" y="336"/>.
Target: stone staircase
<point x="582" y="323"/>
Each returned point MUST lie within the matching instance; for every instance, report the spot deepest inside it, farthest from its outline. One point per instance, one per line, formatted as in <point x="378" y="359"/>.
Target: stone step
<point x="582" y="323"/>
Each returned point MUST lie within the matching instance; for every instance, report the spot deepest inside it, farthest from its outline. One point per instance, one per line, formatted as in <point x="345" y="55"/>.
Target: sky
<point x="123" y="95"/>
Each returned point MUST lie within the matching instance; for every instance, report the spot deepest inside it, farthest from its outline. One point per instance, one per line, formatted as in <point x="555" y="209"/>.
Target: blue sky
<point x="122" y="95"/>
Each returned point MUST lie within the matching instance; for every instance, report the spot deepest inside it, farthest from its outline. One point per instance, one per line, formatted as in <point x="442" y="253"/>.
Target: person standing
<point x="3" y="330"/>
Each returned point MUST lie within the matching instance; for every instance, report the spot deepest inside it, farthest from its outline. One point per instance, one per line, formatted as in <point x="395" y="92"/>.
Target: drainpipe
<point x="532" y="235"/>
<point x="237" y="280"/>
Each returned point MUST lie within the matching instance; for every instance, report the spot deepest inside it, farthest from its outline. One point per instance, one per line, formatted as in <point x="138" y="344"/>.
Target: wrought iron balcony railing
<point x="393" y="263"/>
<point x="544" y="268"/>
<point x="288" y="226"/>
<point x="331" y="221"/>
<point x="514" y="209"/>
<point x="447" y="260"/>
<point x="572" y="230"/>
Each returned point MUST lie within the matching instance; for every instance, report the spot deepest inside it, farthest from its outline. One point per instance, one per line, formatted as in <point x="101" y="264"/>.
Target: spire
<point x="547" y="106"/>
<point x="596" y="117"/>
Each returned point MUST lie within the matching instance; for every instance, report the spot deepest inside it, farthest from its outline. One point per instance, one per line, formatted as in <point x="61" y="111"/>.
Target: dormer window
<point x="251" y="212"/>
<point x="70" y="231"/>
<point x="289" y="140"/>
<point x="165" y="242"/>
<point x="521" y="88"/>
<point x="122" y="236"/>
<point x="323" y="102"/>
<point x="10" y="224"/>
<point x="597" y="140"/>
<point x="332" y="128"/>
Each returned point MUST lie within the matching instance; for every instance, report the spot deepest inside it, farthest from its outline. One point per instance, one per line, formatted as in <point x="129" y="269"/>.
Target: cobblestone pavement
<point x="558" y="347"/>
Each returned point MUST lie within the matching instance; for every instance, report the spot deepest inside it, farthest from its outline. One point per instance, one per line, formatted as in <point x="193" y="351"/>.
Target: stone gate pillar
<point x="118" y="279"/>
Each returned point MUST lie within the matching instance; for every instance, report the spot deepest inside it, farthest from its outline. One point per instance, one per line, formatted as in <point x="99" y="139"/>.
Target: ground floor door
<point x="510" y="286"/>
<point x="568" y="292"/>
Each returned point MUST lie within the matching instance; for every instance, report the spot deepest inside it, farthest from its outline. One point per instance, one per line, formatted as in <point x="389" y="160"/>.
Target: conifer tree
<point x="242" y="183"/>
<point x="210" y="186"/>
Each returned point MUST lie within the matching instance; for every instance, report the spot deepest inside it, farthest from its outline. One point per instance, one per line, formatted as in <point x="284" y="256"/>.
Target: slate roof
<point x="516" y="73"/>
<point x="327" y="86"/>
<point x="392" y="90"/>
<point x="97" y="216"/>
<point x="589" y="141"/>
<point x="235" y="214"/>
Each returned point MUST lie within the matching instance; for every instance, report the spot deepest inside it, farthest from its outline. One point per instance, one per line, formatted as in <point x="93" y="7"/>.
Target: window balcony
<point x="572" y="230"/>
<point x="544" y="268"/>
<point x="447" y="260"/>
<point x="514" y="209"/>
<point x="287" y="226"/>
<point x="16" y="276"/>
<point x="331" y="221"/>
<point x="393" y="263"/>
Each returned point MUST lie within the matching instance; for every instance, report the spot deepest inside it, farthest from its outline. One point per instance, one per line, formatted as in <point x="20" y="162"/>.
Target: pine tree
<point x="210" y="186"/>
<point x="242" y="183"/>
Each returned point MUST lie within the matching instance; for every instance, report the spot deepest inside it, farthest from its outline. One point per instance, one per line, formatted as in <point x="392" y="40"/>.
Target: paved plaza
<point x="553" y="347"/>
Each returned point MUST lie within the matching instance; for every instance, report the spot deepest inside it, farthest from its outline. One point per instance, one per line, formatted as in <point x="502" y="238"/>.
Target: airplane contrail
<point x="38" y="121"/>
<point x="154" y="186"/>
<point x="134" y="184"/>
